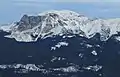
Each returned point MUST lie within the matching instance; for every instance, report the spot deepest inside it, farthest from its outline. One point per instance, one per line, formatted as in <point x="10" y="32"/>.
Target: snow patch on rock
<point x="59" y="44"/>
<point x="94" y="52"/>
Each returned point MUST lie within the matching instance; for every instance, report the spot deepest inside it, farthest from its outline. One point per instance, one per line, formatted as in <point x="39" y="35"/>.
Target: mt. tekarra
<point x="52" y="23"/>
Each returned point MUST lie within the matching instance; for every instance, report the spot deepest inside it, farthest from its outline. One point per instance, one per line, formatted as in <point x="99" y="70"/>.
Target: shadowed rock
<point x="28" y="22"/>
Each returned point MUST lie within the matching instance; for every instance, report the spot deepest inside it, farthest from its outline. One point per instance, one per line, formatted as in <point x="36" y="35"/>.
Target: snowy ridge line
<point x="20" y="68"/>
<point x="52" y="23"/>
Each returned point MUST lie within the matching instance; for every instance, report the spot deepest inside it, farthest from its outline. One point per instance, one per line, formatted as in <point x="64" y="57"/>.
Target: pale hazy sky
<point x="12" y="10"/>
<point x="70" y="0"/>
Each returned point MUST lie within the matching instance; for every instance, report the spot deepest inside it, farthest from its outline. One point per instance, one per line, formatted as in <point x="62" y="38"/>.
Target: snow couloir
<point x="51" y="23"/>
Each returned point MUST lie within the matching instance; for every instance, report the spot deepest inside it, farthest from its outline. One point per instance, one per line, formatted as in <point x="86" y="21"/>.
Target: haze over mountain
<point x="12" y="10"/>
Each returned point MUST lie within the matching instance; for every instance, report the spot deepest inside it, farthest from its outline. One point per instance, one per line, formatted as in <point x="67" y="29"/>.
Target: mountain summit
<point x="52" y="23"/>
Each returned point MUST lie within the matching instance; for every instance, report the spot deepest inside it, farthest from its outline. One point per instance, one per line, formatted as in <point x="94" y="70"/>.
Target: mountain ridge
<point x="52" y="23"/>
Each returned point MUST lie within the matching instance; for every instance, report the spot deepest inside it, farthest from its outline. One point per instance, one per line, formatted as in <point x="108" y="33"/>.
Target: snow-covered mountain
<point x="52" y="23"/>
